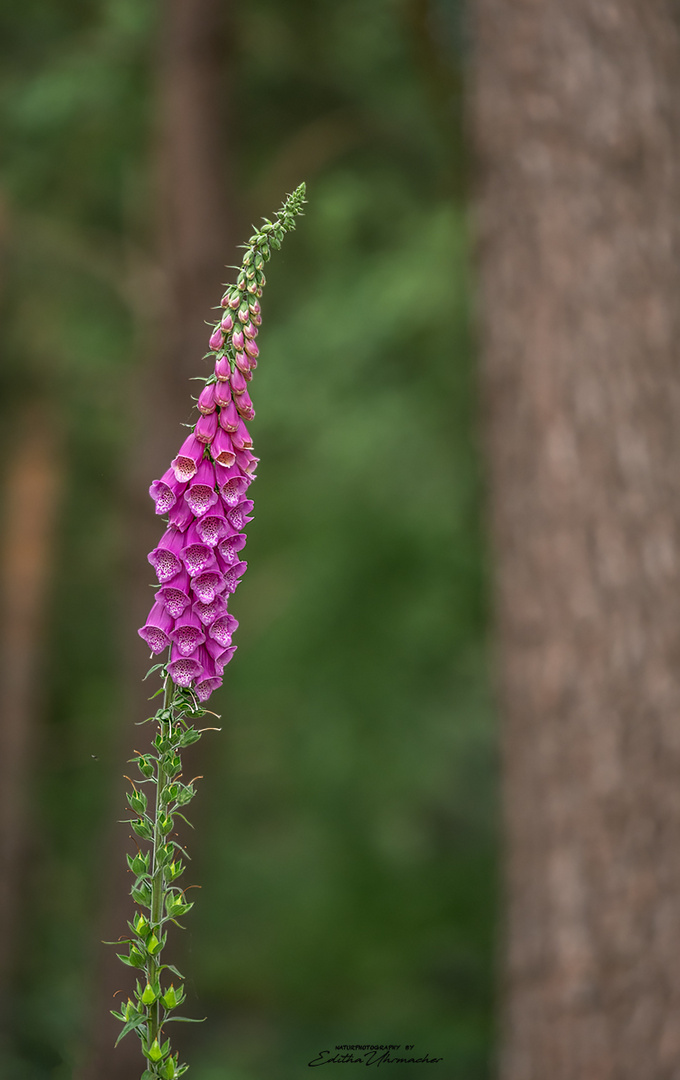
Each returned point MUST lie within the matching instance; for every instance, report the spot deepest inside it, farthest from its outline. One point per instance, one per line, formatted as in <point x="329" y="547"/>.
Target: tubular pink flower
<point x="229" y="548"/>
<point x="222" y="451"/>
<point x="207" y="613"/>
<point x="201" y="494"/>
<point x="175" y="596"/>
<point x="197" y="561"/>
<point x="245" y="406"/>
<point x="239" y="516"/>
<point x="221" y="657"/>
<point x="240" y="438"/>
<point x="223" y="393"/>
<point x="212" y="526"/>
<point x="229" y="418"/>
<point x="233" y="485"/>
<point x="207" y="400"/>
<point x="233" y="575"/>
<point x="188" y="633"/>
<point x="206" y="428"/>
<point x="222" y="629"/>
<point x="196" y="555"/>
<point x="180" y="515"/>
<point x="208" y="585"/>
<point x="247" y="462"/>
<point x="165" y="558"/>
<point x="222" y="369"/>
<point x="157" y="629"/>
<point x="188" y="459"/>
<point x="166" y="491"/>
<point x="205" y="687"/>
<point x="184" y="669"/>
<point x="238" y="382"/>
<point x="243" y="364"/>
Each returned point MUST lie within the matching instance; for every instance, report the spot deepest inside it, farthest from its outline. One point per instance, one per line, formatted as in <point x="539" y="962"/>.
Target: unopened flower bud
<point x="223" y="393"/>
<point x="206" y="399"/>
<point x="222" y="369"/>
<point x="227" y="321"/>
<point x="216" y="339"/>
<point x="205" y="428"/>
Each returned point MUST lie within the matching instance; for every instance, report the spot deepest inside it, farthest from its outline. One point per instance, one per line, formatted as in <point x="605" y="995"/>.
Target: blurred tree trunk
<point x="576" y="115"/>
<point x="196" y="235"/>
<point x="30" y="497"/>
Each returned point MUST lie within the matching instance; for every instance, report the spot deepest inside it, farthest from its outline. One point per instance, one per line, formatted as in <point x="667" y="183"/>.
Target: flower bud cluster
<point x="198" y="560"/>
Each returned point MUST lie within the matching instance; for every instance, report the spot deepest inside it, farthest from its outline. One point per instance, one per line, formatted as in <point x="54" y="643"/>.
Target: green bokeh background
<point x="346" y="825"/>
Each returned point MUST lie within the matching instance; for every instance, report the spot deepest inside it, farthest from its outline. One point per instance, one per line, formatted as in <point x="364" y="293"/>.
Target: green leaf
<point x="185" y="1019"/>
<point x="132" y="1025"/>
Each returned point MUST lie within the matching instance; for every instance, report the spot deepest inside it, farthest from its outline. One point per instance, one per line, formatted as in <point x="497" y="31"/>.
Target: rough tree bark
<point x="196" y="236"/>
<point x="576" y="113"/>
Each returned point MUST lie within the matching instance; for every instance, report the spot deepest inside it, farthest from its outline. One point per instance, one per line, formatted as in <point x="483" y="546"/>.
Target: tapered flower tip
<point x="245" y="406"/>
<point x="206" y="399"/>
<point x="232" y="484"/>
<point x="238" y="382"/>
<point x="243" y="364"/>
<point x="207" y="613"/>
<point x="205" y="687"/>
<point x="206" y="427"/>
<point x="166" y="491"/>
<point x="241" y="438"/>
<point x="222" y="451"/>
<point x="224" y="657"/>
<point x="247" y="462"/>
<point x="165" y="558"/>
<point x="237" y="339"/>
<point x="227" y="321"/>
<point x="229" y="417"/>
<point x="212" y="526"/>
<point x="239" y="516"/>
<point x="180" y="515"/>
<point x="234" y="300"/>
<point x="188" y="633"/>
<point x="254" y="306"/>
<point x="224" y="302"/>
<point x="229" y="548"/>
<point x="184" y="669"/>
<point x="188" y="459"/>
<point x="232" y="578"/>
<point x="207" y="585"/>
<point x="223" y="393"/>
<point x="216" y="339"/>
<point x="222" y="629"/>
<point x="201" y="494"/>
<point x="222" y="369"/>
<point x="250" y="331"/>
<point x="252" y="348"/>
<point x="157" y="628"/>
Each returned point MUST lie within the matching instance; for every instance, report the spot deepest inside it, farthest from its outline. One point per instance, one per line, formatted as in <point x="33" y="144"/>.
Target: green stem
<point x="157" y="872"/>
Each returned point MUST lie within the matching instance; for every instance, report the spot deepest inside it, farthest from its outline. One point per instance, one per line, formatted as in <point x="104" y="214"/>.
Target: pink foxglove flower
<point x="199" y="565"/>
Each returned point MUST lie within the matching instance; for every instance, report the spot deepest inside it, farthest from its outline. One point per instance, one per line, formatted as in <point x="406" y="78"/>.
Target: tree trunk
<point x="31" y="497"/>
<point x="196" y="237"/>
<point x="576" y="116"/>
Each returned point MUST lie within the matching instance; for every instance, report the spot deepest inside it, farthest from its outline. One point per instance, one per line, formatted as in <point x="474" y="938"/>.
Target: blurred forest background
<point x="345" y="840"/>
